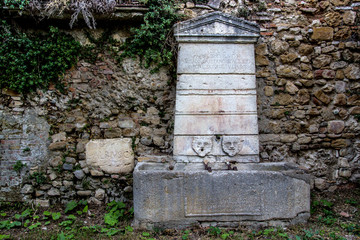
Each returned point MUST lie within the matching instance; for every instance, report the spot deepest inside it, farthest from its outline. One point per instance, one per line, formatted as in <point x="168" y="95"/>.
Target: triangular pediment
<point x="212" y="26"/>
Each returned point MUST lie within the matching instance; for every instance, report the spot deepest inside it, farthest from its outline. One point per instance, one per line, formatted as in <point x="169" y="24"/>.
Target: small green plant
<point x="85" y="183"/>
<point x="66" y="223"/>
<point x="129" y="229"/>
<point x="351" y="201"/>
<point x="185" y="235"/>
<point x="70" y="206"/>
<point x="162" y="113"/>
<point x="325" y="208"/>
<point x="116" y="211"/>
<point x="35" y="225"/>
<point x="55" y="216"/>
<point x="243" y="12"/>
<point x="261" y="6"/>
<point x="9" y="224"/>
<point x="16" y="4"/>
<point x="3" y="236"/>
<point x="214" y="231"/>
<point x="18" y="166"/>
<point x="357" y="116"/>
<point x="25" y="214"/>
<point x="27" y="149"/>
<point x="227" y="235"/>
<point x="133" y="143"/>
<point x="39" y="177"/>
<point x="351" y="228"/>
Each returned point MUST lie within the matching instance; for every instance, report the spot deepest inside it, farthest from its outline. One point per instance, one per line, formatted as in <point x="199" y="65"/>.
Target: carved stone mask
<point x="202" y="145"/>
<point x="232" y="145"/>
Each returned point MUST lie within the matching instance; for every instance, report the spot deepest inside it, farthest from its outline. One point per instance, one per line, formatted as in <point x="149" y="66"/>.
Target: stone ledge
<point x="121" y="14"/>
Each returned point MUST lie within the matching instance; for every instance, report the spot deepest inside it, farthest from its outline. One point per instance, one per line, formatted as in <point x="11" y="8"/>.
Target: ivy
<point x="33" y="61"/>
<point x="153" y="41"/>
<point x="14" y="4"/>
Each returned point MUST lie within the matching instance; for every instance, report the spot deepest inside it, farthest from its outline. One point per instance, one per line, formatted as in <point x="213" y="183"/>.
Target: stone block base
<point x="267" y="193"/>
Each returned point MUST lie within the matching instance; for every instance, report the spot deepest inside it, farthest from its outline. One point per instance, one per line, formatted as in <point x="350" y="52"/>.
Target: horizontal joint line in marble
<point x="214" y="93"/>
<point x="223" y="156"/>
<point x="216" y="113"/>
<point x="223" y="134"/>
<point x="216" y="74"/>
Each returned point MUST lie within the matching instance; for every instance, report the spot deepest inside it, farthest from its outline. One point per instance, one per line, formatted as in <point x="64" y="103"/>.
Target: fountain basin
<point x="263" y="193"/>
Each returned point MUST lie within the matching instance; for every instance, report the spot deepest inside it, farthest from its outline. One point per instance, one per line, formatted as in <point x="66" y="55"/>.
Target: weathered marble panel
<point x="216" y="58"/>
<point x="242" y="197"/>
<point x="208" y="104"/>
<point x="215" y="124"/>
<point x="111" y="155"/>
<point x="220" y="82"/>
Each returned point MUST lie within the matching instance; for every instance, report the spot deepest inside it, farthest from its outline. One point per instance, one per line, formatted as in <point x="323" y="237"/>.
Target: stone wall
<point x="308" y="107"/>
<point x="50" y="131"/>
<point x="308" y="89"/>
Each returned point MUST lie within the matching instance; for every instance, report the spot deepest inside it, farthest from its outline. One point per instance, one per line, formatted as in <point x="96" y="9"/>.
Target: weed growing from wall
<point x="29" y="61"/>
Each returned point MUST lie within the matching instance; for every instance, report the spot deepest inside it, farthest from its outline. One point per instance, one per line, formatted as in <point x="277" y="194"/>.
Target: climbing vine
<point x="30" y="61"/>
<point x="33" y="61"/>
<point x="153" y="41"/>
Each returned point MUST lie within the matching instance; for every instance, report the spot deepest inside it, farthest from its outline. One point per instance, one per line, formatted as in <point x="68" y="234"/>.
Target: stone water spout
<point x="217" y="178"/>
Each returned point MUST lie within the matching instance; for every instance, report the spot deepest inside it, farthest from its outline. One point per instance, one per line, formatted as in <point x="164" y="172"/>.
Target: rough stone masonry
<point x="307" y="70"/>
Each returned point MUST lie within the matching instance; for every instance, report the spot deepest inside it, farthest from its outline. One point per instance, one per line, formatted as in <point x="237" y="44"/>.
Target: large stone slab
<point x="219" y="82"/>
<point x="216" y="58"/>
<point x="215" y="124"/>
<point x="111" y="155"/>
<point x="222" y="104"/>
<point x="190" y="195"/>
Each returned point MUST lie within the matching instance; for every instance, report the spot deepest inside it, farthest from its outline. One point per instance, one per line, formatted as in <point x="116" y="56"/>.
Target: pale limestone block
<point x="111" y="155"/>
<point x="208" y="104"/>
<point x="183" y="146"/>
<point x="216" y="58"/>
<point x="220" y="82"/>
<point x="215" y="124"/>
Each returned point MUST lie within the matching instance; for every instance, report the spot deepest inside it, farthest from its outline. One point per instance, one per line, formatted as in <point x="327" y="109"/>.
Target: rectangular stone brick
<point x="323" y="33"/>
<point x="221" y="104"/>
<point x="215" y="124"/>
<point x="220" y="82"/>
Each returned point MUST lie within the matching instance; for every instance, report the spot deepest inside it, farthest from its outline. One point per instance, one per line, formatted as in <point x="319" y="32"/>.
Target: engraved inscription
<point x="111" y="155"/>
<point x="216" y="58"/>
<point x="232" y="145"/>
<point x="202" y="145"/>
<point x="216" y="61"/>
<point x="241" y="197"/>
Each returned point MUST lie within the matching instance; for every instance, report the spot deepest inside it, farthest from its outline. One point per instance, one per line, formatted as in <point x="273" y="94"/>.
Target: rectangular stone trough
<point x="257" y="193"/>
